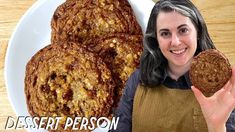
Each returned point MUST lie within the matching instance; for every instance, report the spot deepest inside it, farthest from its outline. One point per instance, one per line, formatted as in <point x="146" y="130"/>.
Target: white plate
<point x="33" y="33"/>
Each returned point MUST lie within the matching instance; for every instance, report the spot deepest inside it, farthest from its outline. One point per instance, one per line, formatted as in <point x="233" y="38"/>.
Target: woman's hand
<point x="217" y="108"/>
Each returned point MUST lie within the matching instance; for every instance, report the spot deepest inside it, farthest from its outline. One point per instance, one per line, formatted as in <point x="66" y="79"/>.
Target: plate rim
<point x="28" y="12"/>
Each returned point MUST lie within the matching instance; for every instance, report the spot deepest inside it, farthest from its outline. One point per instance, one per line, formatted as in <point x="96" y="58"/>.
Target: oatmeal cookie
<point x="66" y="80"/>
<point x="121" y="52"/>
<point x="78" y="20"/>
<point x="210" y="71"/>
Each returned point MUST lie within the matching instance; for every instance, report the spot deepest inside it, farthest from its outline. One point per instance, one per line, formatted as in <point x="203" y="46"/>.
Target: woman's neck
<point x="176" y="71"/>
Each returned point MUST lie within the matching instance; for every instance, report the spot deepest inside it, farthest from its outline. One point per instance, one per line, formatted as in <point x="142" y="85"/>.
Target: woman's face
<point x="177" y="38"/>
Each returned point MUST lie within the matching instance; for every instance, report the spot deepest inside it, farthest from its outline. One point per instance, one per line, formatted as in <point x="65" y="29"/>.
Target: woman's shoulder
<point x="135" y="76"/>
<point x="132" y="83"/>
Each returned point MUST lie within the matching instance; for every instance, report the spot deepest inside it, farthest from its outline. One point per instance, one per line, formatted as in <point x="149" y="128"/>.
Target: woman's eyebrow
<point x="181" y="26"/>
<point x="164" y="29"/>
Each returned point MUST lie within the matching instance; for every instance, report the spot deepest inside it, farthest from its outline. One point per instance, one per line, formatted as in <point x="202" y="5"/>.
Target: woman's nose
<point x="175" y="41"/>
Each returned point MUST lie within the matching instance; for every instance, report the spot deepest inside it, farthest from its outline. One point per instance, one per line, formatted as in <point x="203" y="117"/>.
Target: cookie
<point x="67" y="80"/>
<point x="210" y="71"/>
<point x="121" y="53"/>
<point x="78" y="20"/>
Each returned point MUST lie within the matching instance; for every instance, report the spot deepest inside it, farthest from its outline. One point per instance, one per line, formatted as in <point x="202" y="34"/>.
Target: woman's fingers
<point x="199" y="95"/>
<point x="222" y="91"/>
<point x="232" y="81"/>
<point x="228" y="86"/>
<point x="233" y="76"/>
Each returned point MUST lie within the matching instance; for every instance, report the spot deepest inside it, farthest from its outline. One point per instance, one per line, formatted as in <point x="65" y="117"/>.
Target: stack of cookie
<point x="95" y="46"/>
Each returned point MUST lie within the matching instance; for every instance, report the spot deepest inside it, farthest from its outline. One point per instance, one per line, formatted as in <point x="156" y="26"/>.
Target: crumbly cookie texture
<point x="210" y="71"/>
<point x="79" y="20"/>
<point x="106" y="27"/>
<point x="121" y="53"/>
<point x="68" y="81"/>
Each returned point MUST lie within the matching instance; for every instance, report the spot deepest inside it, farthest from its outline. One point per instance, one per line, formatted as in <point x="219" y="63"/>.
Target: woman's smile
<point x="178" y="51"/>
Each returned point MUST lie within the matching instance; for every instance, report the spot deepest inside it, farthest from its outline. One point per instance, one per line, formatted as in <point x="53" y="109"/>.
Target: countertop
<point x="10" y="13"/>
<point x="219" y="16"/>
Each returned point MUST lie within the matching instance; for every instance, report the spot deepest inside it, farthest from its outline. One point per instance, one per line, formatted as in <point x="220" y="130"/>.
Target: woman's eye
<point x="183" y="30"/>
<point x="165" y="34"/>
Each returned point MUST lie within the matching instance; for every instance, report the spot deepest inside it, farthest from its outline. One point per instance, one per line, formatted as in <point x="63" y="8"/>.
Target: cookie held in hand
<point x="210" y="71"/>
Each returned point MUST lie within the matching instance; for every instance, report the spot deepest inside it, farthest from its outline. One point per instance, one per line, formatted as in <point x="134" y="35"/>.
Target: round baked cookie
<point x="78" y="20"/>
<point x="210" y="71"/>
<point x="66" y="80"/>
<point x="121" y="52"/>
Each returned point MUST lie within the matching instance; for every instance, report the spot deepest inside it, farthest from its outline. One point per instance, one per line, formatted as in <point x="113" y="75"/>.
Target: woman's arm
<point x="124" y="110"/>
<point x="217" y="108"/>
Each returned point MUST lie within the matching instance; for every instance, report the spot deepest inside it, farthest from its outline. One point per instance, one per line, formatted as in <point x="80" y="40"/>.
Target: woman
<point x="159" y="95"/>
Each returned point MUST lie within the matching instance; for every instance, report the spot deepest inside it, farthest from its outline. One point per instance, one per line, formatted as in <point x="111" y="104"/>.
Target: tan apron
<point x="163" y="109"/>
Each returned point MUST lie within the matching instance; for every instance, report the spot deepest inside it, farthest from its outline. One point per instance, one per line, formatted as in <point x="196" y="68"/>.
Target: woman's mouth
<point x="178" y="51"/>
